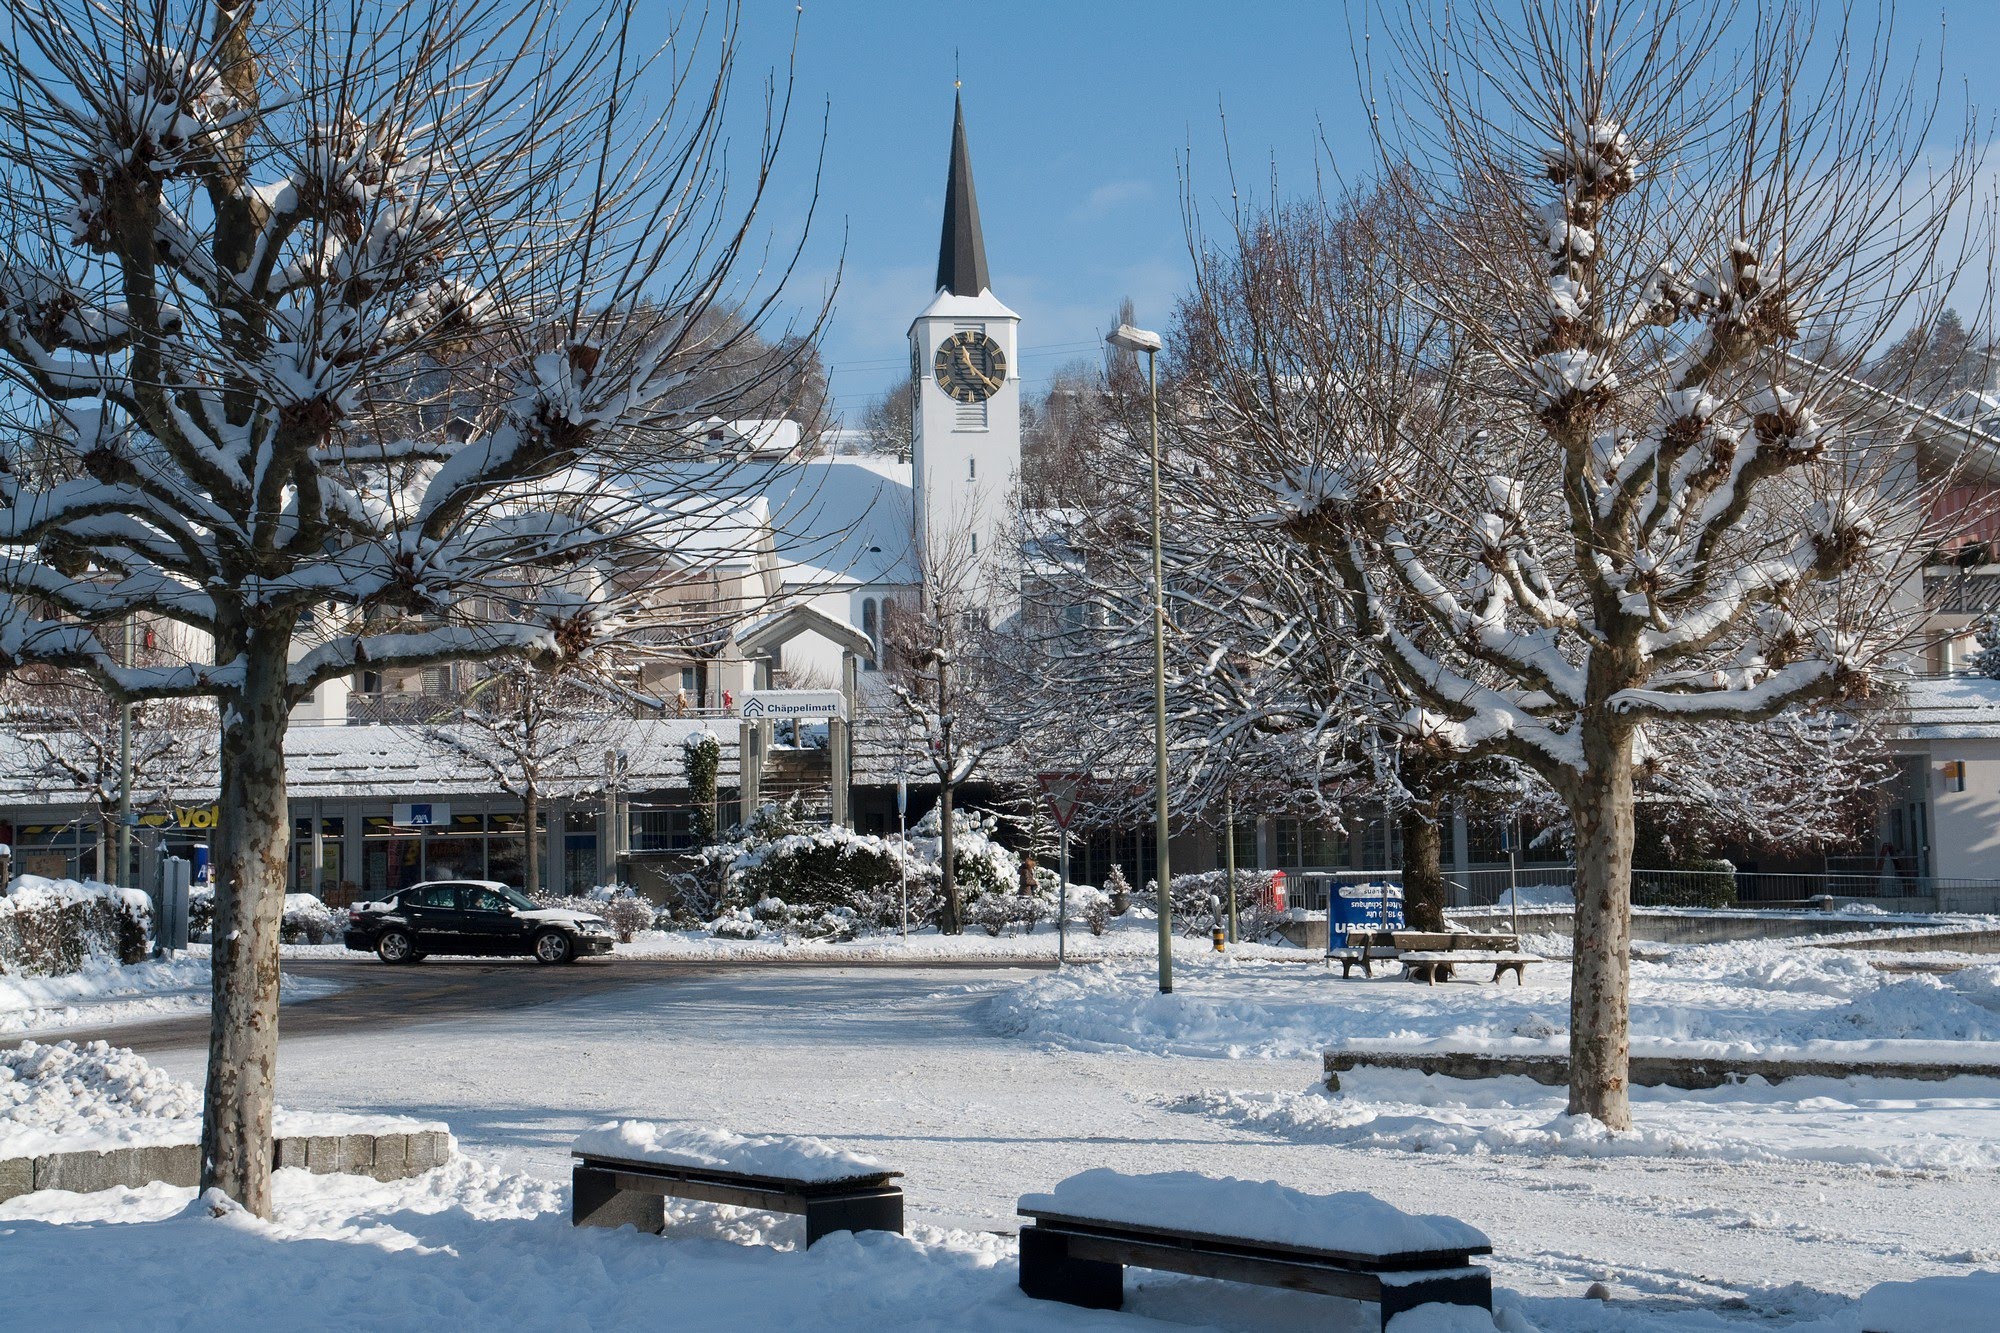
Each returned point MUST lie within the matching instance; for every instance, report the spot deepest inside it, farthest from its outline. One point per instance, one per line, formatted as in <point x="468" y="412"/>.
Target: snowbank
<point x="778" y="1156"/>
<point x="1881" y="1126"/>
<point x="1932" y="1304"/>
<point x="63" y="1097"/>
<point x="1349" y="1222"/>
<point x="70" y="1098"/>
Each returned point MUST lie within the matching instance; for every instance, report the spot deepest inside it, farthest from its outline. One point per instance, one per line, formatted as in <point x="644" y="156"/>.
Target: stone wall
<point x="393" y="1156"/>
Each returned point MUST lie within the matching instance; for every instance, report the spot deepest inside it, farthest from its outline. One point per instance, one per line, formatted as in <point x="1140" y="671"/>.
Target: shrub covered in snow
<point x="1701" y="882"/>
<point x="201" y="911"/>
<point x="996" y="913"/>
<point x="308" y="920"/>
<point x="48" y="927"/>
<point x="1118" y="891"/>
<point x="628" y="913"/>
<point x="1201" y="903"/>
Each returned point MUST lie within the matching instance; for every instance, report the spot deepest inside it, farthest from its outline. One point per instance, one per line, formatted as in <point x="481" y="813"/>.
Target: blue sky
<point x="1078" y="114"/>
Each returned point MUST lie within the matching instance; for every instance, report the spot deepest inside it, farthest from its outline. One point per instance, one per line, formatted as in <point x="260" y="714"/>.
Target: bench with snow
<point x="1427" y="955"/>
<point x="1351" y="1244"/>
<point x="626" y="1171"/>
<point x="1363" y="949"/>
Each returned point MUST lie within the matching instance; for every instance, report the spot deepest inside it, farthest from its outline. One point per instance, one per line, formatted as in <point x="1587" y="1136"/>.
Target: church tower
<point x="964" y="353"/>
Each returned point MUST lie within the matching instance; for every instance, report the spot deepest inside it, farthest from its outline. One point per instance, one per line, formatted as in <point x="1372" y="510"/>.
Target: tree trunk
<point x="531" y="864"/>
<point x="1423" y="874"/>
<point x="1600" y="974"/>
<point x="252" y="837"/>
<point x="948" y="913"/>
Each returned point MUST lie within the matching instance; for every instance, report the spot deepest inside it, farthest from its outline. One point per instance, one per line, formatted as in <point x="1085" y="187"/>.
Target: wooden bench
<point x="1364" y="949"/>
<point x="1427" y="955"/>
<point x="1427" y="967"/>
<point x="1081" y="1259"/>
<point x="615" y="1192"/>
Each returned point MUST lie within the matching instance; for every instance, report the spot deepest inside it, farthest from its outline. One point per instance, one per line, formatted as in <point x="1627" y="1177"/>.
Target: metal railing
<point x="1488" y="886"/>
<point x="419" y="707"/>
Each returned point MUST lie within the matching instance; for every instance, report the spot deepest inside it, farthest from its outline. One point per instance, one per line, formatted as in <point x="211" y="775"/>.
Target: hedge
<point x="49" y="927"/>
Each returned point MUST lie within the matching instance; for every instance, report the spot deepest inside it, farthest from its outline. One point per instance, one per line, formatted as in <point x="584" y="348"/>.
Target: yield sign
<point x="1063" y="792"/>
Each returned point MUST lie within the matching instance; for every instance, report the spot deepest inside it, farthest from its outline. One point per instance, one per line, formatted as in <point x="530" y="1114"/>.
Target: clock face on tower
<point x="970" y="367"/>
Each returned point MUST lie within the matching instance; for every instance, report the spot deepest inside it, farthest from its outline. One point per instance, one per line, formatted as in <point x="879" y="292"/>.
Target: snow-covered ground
<point x="104" y="994"/>
<point x="921" y="1071"/>
<point x="1711" y="1000"/>
<point x="1133" y="935"/>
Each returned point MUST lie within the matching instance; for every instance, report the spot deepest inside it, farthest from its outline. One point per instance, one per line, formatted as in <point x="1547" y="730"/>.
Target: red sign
<point x="1063" y="792"/>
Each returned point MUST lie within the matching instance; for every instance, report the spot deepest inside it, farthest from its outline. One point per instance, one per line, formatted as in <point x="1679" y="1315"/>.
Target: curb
<point x="393" y="1156"/>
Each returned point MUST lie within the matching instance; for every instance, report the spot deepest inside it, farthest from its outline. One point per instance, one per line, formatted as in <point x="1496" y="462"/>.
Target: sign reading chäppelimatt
<point x="777" y="705"/>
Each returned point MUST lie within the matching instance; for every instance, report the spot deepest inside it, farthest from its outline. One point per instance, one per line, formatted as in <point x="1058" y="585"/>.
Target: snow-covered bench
<point x="1363" y="949"/>
<point x="1351" y="1244"/>
<point x="1426" y="966"/>
<point x="625" y="1172"/>
<point x="1428" y="955"/>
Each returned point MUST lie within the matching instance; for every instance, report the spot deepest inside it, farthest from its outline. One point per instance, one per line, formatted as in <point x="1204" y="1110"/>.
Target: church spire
<point x="961" y="249"/>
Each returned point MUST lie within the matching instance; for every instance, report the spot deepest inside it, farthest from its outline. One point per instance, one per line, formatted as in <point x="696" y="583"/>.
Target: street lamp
<point x="1128" y="339"/>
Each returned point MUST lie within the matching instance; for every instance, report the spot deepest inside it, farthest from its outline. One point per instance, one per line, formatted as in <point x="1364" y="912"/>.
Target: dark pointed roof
<point x="961" y="249"/>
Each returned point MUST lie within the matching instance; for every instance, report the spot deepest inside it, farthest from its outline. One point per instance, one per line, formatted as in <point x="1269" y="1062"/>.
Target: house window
<point x="975" y="543"/>
<point x="871" y="625"/>
<point x="972" y="469"/>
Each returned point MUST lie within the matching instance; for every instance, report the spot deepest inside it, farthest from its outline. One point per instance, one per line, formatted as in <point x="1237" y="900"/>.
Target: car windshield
<point x="517" y="900"/>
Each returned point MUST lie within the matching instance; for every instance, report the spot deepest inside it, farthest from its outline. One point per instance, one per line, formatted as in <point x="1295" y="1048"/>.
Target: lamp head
<point x="1126" y="338"/>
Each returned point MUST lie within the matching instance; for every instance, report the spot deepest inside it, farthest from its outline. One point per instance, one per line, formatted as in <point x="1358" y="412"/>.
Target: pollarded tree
<point x="243" y="241"/>
<point x="1564" y="471"/>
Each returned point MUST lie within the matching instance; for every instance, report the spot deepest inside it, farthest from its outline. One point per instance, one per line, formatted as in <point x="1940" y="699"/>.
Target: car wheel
<point x="395" y="947"/>
<point x="552" y="946"/>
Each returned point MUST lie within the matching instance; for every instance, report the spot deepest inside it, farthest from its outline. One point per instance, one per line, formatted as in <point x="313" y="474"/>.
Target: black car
<point x="472" y="916"/>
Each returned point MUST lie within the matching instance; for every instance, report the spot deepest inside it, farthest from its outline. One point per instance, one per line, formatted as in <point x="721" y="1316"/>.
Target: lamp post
<point x="1128" y="339"/>
<point x="124" y="776"/>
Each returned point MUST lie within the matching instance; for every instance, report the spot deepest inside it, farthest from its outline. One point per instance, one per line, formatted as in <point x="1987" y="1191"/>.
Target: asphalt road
<point x="374" y="995"/>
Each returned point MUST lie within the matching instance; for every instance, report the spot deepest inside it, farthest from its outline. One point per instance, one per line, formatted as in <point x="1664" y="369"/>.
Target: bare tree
<point x="538" y="736"/>
<point x="1563" y="469"/>
<point x="948" y="675"/>
<point x="241" y="239"/>
<point x="74" y="736"/>
<point x="889" y="421"/>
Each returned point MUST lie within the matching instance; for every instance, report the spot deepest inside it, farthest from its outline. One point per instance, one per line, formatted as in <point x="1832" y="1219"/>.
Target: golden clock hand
<point x="965" y="359"/>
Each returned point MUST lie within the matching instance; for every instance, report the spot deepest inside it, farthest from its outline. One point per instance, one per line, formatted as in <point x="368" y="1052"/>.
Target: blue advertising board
<point x="1376" y="906"/>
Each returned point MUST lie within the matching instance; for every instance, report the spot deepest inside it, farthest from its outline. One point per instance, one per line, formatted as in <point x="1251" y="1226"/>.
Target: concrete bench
<point x="616" y="1184"/>
<point x="1426" y="966"/>
<point x="1081" y="1241"/>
